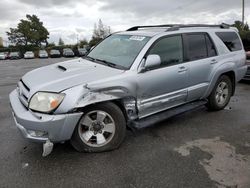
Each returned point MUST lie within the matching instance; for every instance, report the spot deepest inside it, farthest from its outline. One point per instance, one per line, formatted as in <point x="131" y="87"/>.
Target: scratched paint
<point x="225" y="167"/>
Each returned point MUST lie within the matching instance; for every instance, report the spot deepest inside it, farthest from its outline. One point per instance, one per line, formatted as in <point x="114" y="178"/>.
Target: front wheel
<point x="101" y="128"/>
<point x="221" y="94"/>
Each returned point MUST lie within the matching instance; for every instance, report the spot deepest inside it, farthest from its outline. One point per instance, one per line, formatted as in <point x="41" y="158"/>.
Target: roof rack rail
<point x="149" y="26"/>
<point x="174" y="27"/>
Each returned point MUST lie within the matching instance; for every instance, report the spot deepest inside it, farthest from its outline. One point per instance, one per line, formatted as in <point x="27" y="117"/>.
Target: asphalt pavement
<point x="195" y="149"/>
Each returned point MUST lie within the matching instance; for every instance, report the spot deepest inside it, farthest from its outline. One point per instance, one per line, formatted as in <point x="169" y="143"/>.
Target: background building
<point x="1" y="41"/>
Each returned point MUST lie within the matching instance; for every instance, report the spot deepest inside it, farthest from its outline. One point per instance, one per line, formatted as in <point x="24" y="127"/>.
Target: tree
<point x="83" y="43"/>
<point x="100" y="32"/>
<point x="244" y="33"/>
<point x="60" y="42"/>
<point x="50" y="45"/>
<point x="29" y="32"/>
<point x="241" y="26"/>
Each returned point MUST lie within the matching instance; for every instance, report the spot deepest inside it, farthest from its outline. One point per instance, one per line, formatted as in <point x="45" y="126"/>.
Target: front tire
<point x="221" y="94"/>
<point x="101" y="128"/>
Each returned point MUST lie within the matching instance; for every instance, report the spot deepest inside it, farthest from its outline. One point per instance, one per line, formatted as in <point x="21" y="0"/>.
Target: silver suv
<point x="131" y="79"/>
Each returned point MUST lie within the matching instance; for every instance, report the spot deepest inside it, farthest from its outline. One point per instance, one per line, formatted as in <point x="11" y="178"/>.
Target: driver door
<point x="165" y="86"/>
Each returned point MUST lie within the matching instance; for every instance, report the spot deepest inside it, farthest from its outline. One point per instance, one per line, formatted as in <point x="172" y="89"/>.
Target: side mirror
<point x="152" y="61"/>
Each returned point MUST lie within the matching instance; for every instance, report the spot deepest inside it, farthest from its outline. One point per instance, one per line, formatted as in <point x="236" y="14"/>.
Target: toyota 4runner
<point x="131" y="79"/>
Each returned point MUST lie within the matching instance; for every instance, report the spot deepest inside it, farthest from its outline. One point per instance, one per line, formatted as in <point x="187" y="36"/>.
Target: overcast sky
<point x="69" y="18"/>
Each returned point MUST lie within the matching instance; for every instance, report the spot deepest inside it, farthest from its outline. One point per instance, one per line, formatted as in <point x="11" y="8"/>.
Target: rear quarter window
<point x="231" y="40"/>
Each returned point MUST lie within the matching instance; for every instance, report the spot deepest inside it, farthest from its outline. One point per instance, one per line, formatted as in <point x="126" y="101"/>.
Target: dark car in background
<point x="55" y="53"/>
<point x="82" y="52"/>
<point x="67" y="52"/>
<point x="14" y="55"/>
<point x="7" y="55"/>
<point x="247" y="77"/>
<point x="43" y="54"/>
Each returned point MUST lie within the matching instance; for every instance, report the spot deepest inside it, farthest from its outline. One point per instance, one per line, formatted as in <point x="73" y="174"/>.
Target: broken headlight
<point x="45" y="101"/>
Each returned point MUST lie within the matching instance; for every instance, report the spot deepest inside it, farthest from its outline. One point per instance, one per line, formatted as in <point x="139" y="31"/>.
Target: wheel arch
<point x="231" y="75"/>
<point x="227" y="69"/>
<point x="128" y="106"/>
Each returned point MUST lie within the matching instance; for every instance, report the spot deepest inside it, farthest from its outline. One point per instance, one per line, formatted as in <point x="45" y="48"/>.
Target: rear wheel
<point x="221" y="94"/>
<point x="101" y="128"/>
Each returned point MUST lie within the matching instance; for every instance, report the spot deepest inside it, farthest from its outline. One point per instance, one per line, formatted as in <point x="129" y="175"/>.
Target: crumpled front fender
<point x="110" y="94"/>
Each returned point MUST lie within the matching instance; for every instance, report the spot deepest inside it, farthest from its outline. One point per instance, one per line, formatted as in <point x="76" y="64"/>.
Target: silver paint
<point x="140" y="93"/>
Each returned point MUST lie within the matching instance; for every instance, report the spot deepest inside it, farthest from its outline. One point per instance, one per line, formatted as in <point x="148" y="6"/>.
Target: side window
<point x="196" y="46"/>
<point x="231" y="40"/>
<point x="169" y="49"/>
<point x="210" y="47"/>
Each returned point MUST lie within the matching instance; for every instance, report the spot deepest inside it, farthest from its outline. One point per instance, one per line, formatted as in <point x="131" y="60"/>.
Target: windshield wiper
<point x="90" y="58"/>
<point x="108" y="63"/>
<point x="104" y="62"/>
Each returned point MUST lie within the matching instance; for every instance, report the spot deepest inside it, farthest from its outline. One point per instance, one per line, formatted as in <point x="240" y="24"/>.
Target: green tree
<point x="29" y="32"/>
<point x="241" y="26"/>
<point x="100" y="32"/>
<point x="244" y="33"/>
<point x="50" y="45"/>
<point x="83" y="43"/>
<point x="60" y="42"/>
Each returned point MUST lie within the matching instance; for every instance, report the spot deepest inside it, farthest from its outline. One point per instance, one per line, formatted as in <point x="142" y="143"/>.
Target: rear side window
<point x="169" y="49"/>
<point x="196" y="46"/>
<point x="231" y="40"/>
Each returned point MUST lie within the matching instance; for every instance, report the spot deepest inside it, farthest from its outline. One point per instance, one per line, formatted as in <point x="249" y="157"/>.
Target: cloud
<point x="68" y="18"/>
<point x="162" y="8"/>
<point x="50" y="3"/>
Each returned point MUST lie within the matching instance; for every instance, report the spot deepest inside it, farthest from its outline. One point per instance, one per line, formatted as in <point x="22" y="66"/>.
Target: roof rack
<point x="174" y="27"/>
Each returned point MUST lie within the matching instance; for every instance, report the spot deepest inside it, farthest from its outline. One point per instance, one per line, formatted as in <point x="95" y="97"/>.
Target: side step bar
<point x="156" y="118"/>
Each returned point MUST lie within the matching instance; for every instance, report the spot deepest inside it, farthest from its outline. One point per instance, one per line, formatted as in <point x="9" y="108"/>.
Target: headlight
<point x="45" y="101"/>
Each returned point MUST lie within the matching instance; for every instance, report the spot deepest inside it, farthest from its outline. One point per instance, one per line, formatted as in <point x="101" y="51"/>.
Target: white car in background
<point x="2" y="56"/>
<point x="43" y="54"/>
<point x="29" y="55"/>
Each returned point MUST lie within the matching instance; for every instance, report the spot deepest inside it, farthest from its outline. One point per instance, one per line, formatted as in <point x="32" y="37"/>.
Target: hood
<point x="61" y="76"/>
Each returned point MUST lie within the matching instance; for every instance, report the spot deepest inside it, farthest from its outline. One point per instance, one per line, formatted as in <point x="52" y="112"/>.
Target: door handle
<point x="213" y="61"/>
<point x="182" y="69"/>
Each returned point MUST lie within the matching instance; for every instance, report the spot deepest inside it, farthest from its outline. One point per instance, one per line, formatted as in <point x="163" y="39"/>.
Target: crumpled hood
<point x="64" y="75"/>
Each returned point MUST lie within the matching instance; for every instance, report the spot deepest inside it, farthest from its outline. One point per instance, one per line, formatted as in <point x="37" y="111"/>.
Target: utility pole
<point x="77" y="40"/>
<point x="243" y="13"/>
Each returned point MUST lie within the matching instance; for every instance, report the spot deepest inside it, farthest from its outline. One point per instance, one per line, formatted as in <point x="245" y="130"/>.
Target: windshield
<point x="67" y="50"/>
<point x="120" y="50"/>
<point x="82" y="50"/>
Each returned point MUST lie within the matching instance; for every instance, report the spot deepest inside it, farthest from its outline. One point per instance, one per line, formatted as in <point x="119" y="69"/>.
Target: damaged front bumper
<point x="42" y="127"/>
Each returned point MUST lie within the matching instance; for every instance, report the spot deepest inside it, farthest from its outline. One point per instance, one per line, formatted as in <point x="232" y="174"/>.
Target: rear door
<point x="201" y="55"/>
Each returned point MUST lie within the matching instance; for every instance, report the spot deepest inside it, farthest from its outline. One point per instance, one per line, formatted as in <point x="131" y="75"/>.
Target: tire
<point x="219" y="98"/>
<point x="101" y="128"/>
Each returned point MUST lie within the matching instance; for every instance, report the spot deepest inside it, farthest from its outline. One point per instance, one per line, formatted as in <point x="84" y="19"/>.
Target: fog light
<point x="37" y="133"/>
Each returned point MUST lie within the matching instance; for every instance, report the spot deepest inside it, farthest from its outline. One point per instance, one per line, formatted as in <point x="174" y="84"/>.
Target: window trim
<point x="212" y="41"/>
<point x="198" y="33"/>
